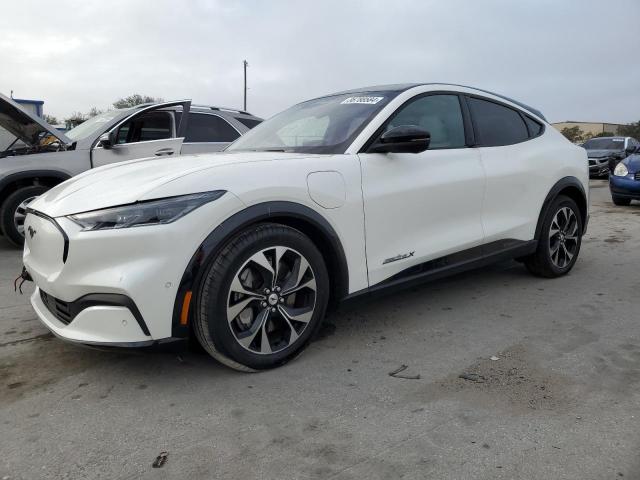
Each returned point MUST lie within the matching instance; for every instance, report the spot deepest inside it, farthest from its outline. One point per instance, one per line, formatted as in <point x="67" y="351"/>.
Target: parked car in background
<point x="605" y="152"/>
<point x="40" y="156"/>
<point x="624" y="182"/>
<point x="337" y="197"/>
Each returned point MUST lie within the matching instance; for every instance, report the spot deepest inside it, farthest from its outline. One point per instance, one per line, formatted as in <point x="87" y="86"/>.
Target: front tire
<point x="262" y="298"/>
<point x="13" y="212"/>
<point x="560" y="240"/>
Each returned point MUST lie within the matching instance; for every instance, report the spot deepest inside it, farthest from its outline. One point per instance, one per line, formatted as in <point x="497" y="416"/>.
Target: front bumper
<point x="94" y="325"/>
<point x="625" y="187"/>
<point x="116" y="287"/>
<point x="598" y="166"/>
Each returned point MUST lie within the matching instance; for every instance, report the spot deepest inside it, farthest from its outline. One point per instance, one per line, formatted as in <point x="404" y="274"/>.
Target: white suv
<point x="334" y="198"/>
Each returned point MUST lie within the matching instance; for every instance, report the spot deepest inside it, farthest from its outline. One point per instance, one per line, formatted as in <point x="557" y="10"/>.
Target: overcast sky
<point x="573" y="59"/>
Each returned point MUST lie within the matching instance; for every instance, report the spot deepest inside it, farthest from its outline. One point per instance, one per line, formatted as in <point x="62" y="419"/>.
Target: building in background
<point x="32" y="106"/>
<point x="590" y="128"/>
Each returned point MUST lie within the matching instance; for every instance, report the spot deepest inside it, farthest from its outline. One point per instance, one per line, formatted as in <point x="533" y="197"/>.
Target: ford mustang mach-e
<point x="336" y="197"/>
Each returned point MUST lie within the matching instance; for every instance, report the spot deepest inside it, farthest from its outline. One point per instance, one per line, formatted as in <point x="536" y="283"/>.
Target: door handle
<point x="164" y="151"/>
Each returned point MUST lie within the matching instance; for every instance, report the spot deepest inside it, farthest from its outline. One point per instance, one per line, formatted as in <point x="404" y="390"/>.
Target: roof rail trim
<point x="221" y="109"/>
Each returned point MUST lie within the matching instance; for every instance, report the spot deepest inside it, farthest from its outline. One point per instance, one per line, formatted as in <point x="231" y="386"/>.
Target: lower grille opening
<point x="67" y="311"/>
<point x="59" y="308"/>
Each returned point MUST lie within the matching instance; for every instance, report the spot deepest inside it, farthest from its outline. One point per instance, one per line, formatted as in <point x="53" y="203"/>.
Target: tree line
<point x="576" y="134"/>
<point x="76" y="118"/>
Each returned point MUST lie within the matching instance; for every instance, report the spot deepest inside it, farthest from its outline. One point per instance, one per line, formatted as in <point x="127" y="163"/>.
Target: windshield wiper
<point x="260" y="150"/>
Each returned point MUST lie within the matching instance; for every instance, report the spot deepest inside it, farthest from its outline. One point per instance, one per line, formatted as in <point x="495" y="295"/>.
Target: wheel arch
<point x="47" y="178"/>
<point x="572" y="188"/>
<point x="291" y="214"/>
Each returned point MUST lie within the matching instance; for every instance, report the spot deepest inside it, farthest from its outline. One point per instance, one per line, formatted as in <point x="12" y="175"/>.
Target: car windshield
<point x="604" y="144"/>
<point x="92" y="125"/>
<point x="324" y="125"/>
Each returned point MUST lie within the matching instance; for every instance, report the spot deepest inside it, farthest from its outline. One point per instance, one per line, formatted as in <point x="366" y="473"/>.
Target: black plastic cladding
<point x="563" y="184"/>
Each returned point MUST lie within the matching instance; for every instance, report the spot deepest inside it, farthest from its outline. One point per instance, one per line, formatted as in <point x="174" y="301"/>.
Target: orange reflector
<point x="184" y="315"/>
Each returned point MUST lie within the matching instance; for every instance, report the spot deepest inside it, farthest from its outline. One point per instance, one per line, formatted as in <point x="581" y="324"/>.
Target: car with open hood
<point x="35" y="156"/>
<point x="335" y="198"/>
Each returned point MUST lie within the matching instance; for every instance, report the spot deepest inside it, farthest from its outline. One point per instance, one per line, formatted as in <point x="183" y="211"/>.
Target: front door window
<point x="154" y="125"/>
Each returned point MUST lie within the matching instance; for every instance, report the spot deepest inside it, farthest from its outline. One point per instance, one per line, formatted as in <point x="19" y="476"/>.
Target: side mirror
<point x="402" y="139"/>
<point x="630" y="149"/>
<point x="108" y="140"/>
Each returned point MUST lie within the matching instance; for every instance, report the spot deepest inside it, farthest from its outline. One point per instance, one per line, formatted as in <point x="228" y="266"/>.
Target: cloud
<point x="572" y="59"/>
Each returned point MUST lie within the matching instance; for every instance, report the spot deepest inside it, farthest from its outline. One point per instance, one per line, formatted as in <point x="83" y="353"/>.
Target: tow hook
<point x="23" y="277"/>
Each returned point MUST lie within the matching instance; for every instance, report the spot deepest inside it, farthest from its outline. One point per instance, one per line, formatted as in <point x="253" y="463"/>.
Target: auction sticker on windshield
<point x="362" y="100"/>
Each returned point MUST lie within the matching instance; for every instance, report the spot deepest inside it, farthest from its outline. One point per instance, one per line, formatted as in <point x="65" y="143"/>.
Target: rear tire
<point x="13" y="212"/>
<point x="560" y="240"/>
<point x="262" y="299"/>
<point x="621" y="201"/>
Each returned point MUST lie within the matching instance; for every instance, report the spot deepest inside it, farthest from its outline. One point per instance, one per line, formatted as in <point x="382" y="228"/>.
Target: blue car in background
<point x="624" y="182"/>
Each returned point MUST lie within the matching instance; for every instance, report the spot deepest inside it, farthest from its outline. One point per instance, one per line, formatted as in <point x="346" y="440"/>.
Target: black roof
<point x="401" y="87"/>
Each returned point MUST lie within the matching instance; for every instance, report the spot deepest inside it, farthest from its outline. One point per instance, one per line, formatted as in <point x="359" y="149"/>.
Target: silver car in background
<point x="34" y="156"/>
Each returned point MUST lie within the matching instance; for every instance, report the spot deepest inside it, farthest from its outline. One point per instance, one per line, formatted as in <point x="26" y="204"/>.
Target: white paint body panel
<point x="327" y="189"/>
<point x="46" y="242"/>
<point x="428" y="203"/>
<point x="94" y="325"/>
<point x="519" y="178"/>
<point x="379" y="205"/>
<point x="128" y="151"/>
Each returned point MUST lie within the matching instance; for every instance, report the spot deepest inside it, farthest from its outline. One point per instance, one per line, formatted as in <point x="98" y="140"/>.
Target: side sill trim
<point x="456" y="263"/>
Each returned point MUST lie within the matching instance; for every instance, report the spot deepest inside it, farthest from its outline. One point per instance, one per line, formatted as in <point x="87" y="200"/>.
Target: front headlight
<point x="151" y="212"/>
<point x="621" y="170"/>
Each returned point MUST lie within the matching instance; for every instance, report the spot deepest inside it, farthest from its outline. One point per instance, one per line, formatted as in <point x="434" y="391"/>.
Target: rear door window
<point x="497" y="125"/>
<point x="203" y="127"/>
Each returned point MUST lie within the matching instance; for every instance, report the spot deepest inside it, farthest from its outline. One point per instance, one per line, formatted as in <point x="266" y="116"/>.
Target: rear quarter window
<point x="497" y="125"/>
<point x="534" y="127"/>
<point x="248" y="122"/>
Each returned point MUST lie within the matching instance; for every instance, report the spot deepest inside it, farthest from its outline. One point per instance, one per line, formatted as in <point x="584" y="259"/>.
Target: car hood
<point x="24" y="125"/>
<point x="633" y="163"/>
<point x="602" y="153"/>
<point x="135" y="180"/>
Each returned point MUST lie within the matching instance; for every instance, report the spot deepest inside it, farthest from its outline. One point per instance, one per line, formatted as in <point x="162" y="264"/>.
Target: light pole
<point x="245" y="65"/>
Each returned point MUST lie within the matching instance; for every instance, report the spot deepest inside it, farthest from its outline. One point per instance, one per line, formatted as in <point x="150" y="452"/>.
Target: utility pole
<point x="245" y="65"/>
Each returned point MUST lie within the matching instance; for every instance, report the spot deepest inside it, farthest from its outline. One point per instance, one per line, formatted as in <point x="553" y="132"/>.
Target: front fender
<point x="277" y="210"/>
